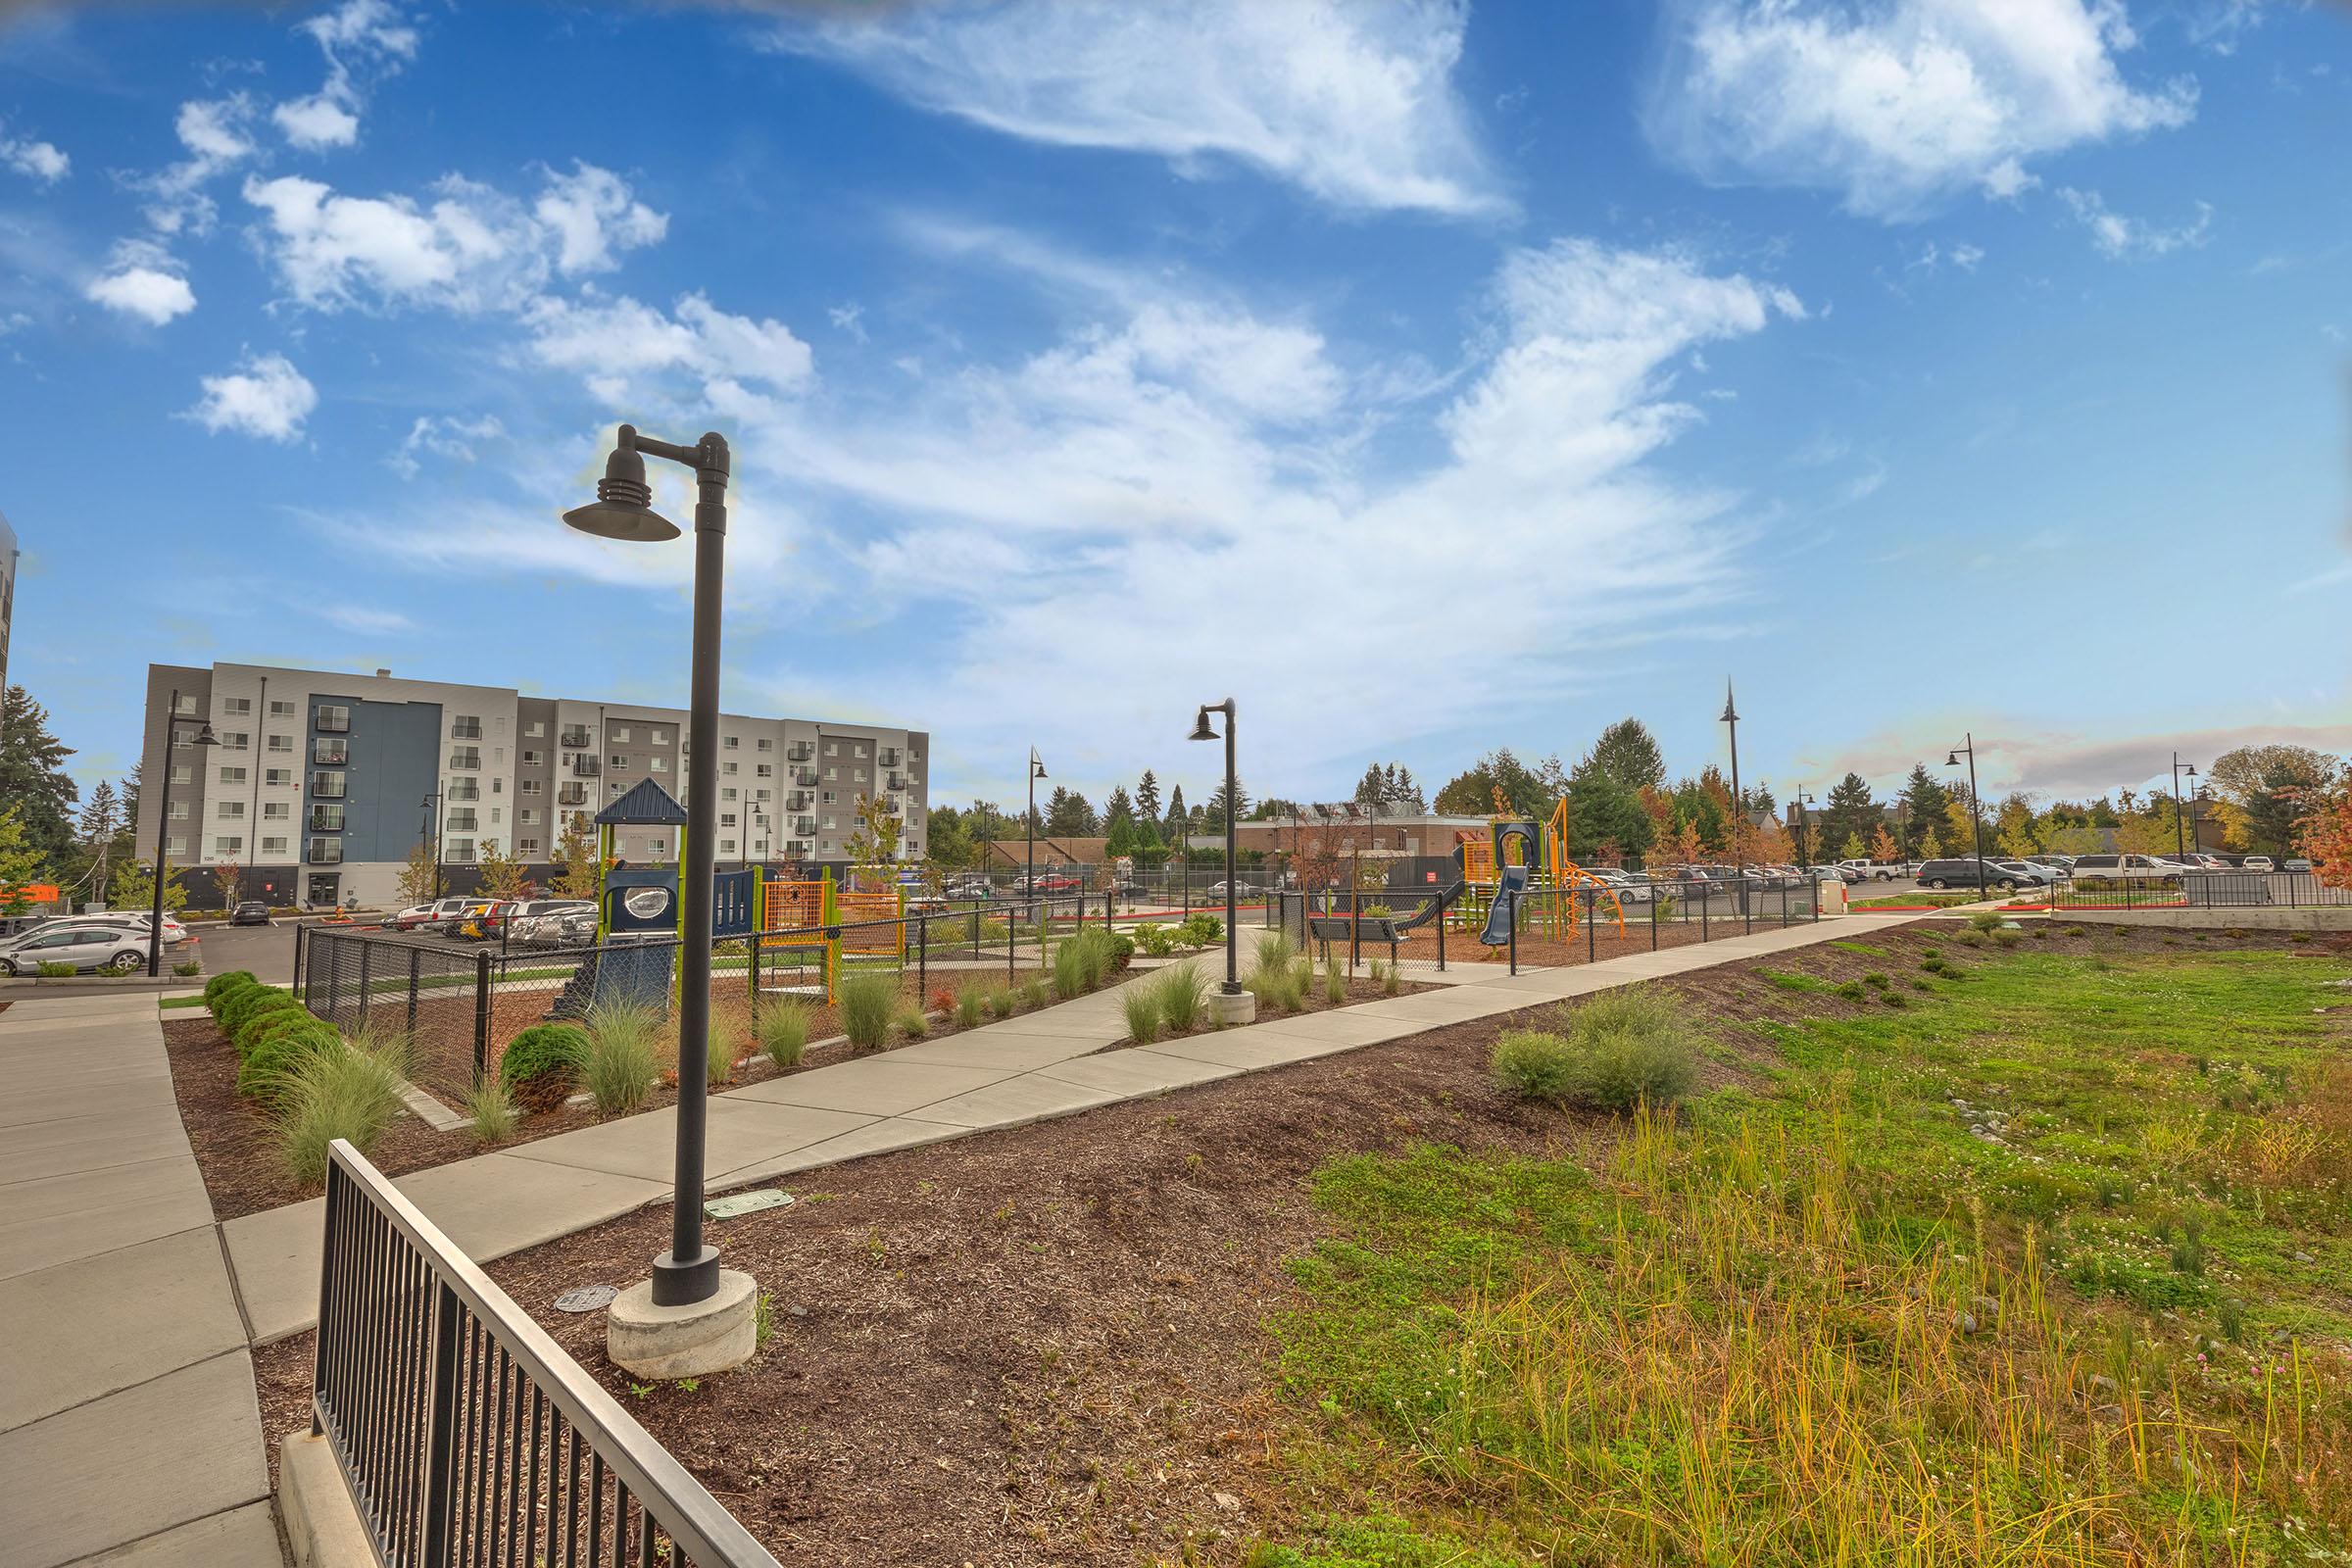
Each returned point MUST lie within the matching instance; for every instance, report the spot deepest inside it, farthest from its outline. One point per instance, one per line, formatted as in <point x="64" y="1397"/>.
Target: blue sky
<point x="1425" y="377"/>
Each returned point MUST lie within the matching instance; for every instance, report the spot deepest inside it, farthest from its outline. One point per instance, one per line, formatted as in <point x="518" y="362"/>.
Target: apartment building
<point x="325" y="783"/>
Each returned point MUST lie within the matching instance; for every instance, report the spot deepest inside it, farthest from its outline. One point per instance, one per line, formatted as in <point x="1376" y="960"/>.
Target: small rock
<point x="2305" y="1258"/>
<point x="1968" y="1322"/>
<point x="2101" y="1382"/>
<point x="797" y="1312"/>
<point x="1227" y="1502"/>
<point x="1990" y="1306"/>
<point x="2109" y="1412"/>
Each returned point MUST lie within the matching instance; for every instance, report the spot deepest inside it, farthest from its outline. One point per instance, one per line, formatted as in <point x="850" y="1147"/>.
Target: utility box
<point x="1832" y="896"/>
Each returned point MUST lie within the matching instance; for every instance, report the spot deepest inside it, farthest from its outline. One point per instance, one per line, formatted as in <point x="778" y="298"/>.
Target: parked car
<point x="969" y="886"/>
<point x="252" y="911"/>
<point x="1876" y="871"/>
<point x="2039" y="875"/>
<point x="135" y="921"/>
<point x="1630" y="887"/>
<point x="1964" y="874"/>
<point x="2296" y="863"/>
<point x="2060" y="863"/>
<point x="2260" y="864"/>
<point x="1240" y="889"/>
<point x="2094" y="868"/>
<point x="115" y="949"/>
<point x="537" y="922"/>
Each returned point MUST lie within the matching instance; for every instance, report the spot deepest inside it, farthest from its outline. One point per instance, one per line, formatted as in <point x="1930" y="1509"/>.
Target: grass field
<point x="1920" y="900"/>
<point x="2047" y="1267"/>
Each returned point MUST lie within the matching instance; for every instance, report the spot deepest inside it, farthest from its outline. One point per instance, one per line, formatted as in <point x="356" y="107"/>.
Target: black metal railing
<point x="2200" y="890"/>
<point x="463" y="1432"/>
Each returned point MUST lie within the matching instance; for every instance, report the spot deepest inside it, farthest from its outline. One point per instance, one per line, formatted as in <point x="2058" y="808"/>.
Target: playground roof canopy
<point x="646" y="803"/>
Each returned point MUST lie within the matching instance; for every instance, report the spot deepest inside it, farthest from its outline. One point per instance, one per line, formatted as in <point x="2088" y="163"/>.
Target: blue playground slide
<point x="1499" y="913"/>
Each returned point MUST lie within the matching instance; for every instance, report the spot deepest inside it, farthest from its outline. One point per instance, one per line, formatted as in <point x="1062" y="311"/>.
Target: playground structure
<point x="843" y="930"/>
<point x="1541" y="881"/>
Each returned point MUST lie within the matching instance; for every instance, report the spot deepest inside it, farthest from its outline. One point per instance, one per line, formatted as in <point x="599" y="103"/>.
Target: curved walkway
<point x="1049" y="1064"/>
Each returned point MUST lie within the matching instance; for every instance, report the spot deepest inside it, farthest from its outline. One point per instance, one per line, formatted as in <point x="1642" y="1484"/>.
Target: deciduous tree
<point x="2325" y="834"/>
<point x="1883" y="846"/>
<point x="131" y="886"/>
<point x="502" y="875"/>
<point x="583" y="874"/>
<point x="415" y="879"/>
<point x="874" y="845"/>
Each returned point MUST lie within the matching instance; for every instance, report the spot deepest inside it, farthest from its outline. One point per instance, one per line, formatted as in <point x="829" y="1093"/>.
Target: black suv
<point x="253" y="912"/>
<point x="1963" y="874"/>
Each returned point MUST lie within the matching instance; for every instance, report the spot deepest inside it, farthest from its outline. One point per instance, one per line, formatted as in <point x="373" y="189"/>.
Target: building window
<point x="176" y="843"/>
<point x="537" y="729"/>
<point x="465" y="758"/>
<point x="727" y="794"/>
<point x="461" y="820"/>
<point x="276" y="846"/>
<point x="620" y="734"/>
<point x="235" y="740"/>
<point x="232" y="775"/>
<point x="731" y="743"/>
<point x="229" y="844"/>
<point x="532" y="759"/>
<point x="279" y="778"/>
<point x="179" y="811"/>
<point x="460" y="850"/>
<point x="759" y="793"/>
<point x="466" y="727"/>
<point x="768" y="770"/>
<point x="231" y="807"/>
<point x="280" y="709"/>
<point x="276" y="812"/>
<point x="576" y="737"/>
<point x="726" y="846"/>
<point x="464" y="789"/>
<point x="766" y="744"/>
<point x="330" y="753"/>
<point x="659" y="849"/>
<point x="183" y="773"/>
<point x="332" y="718"/>
<point x="660" y="737"/>
<point x="831" y="823"/>
<point x="618" y="760"/>
<point x="327" y="820"/>
<point x="526" y="846"/>
<point x="326" y="852"/>
<point x="531" y="786"/>
<point x="527" y="817"/>
<point x="833" y="773"/>
<point x="661" y="765"/>
<point x="280" y="743"/>
<point x="327" y="786"/>
<point x="187" y="704"/>
<point x="726" y="819"/>
<point x="860" y="751"/>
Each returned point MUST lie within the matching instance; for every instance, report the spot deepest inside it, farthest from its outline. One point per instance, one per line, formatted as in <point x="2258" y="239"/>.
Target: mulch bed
<point x="1048" y="1346"/>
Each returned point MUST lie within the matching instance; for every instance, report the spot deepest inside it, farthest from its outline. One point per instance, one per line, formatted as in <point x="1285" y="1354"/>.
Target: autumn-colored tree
<point x="583" y="875"/>
<point x="226" y="874"/>
<point x="2326" y="836"/>
<point x="417" y="874"/>
<point x="1851" y="849"/>
<point x="2013" y="829"/>
<point x="1931" y="846"/>
<point x="1681" y="846"/>
<point x="1960" y="827"/>
<point x="502" y="875"/>
<point x="874" y="845"/>
<point x="1881" y="845"/>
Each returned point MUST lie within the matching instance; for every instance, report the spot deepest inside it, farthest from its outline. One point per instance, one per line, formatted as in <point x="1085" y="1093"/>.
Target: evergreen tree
<point x="1146" y="797"/>
<point x="1926" y="805"/>
<point x="1601" y="810"/>
<point x="1068" y="815"/>
<point x="1117" y="808"/>
<point x="1408" y="794"/>
<point x="1213" y="814"/>
<point x="1848" y="812"/>
<point x="100" y="823"/>
<point x="22" y="863"/>
<point x="1372" y="790"/>
<point x="1628" y="755"/>
<point x="1525" y="792"/>
<point x="1179" y="822"/>
<point x="34" y="777"/>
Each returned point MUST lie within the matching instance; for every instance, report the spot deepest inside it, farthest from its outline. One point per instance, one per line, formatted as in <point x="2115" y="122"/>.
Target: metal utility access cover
<point x="587" y="1299"/>
<point x="734" y="1203"/>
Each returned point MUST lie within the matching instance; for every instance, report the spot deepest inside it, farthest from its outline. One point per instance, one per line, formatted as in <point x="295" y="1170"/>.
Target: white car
<point x="135" y="921"/>
<point x="2260" y="864"/>
<point x="115" y="948"/>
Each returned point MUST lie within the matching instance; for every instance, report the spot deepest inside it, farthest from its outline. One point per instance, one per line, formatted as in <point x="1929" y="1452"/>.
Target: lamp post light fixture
<point x="1037" y="771"/>
<point x="429" y="832"/>
<point x="1730" y="717"/>
<point x="1232" y="1005"/>
<point x="1975" y="814"/>
<point x="691" y="1316"/>
<point x="204" y="736"/>
<point x="1804" y="827"/>
<point x="2179" y="806"/>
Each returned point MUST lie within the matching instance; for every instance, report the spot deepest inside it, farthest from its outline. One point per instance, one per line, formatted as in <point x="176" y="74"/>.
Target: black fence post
<point x="1009" y="925"/>
<point x="366" y="978"/>
<point x="481" y="1014"/>
<point x="1441" y="935"/>
<point x="298" y="929"/>
<point x="415" y="977"/>
<point x="440" y="1468"/>
<point x="334" y="987"/>
<point x="1653" y="920"/>
<point x="1355" y="930"/>
<point x="1706" y="897"/>
<point x="922" y="959"/>
<point x="1513" y="910"/>
<point x="1591" y="903"/>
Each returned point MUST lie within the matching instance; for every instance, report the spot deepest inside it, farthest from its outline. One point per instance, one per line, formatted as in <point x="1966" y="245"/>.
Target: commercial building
<point x="325" y="783"/>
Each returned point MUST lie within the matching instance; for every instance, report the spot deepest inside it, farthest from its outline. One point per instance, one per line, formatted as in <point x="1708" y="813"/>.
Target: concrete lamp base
<point x="1229" y="1008"/>
<point x="712" y="1335"/>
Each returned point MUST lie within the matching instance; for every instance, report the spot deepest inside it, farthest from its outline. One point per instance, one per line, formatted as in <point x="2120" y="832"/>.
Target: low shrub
<point x="264" y="1072"/>
<point x="1930" y="953"/>
<point x="1874" y="978"/>
<point x="221" y="985"/>
<point x="1181" y="995"/>
<point x="2007" y="937"/>
<point x="55" y="971"/>
<point x="490" y="1112"/>
<point x="351" y="1094"/>
<point x="1987" y="921"/>
<point x="1852" y="990"/>
<point x="192" y="967"/>
<point x="1535" y="1064"/>
<point x="970" y="1005"/>
<point x="261" y="1016"/>
<point x="867" y="1003"/>
<point x="1034" y="993"/>
<point x="1122" y="954"/>
<point x="1200" y="931"/>
<point x="1001" y="1002"/>
<point x="1157" y="941"/>
<point x="239" y="1003"/>
<point x="622" y="1061"/>
<point x="1894" y="999"/>
<point x="539" y="1065"/>
<point x="1139" y="1005"/>
<point x="783" y="1031"/>
<point x="1335" y="983"/>
<point x="913" y="1022"/>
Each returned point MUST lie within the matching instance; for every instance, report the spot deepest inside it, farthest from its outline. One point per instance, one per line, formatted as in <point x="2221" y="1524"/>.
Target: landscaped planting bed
<point x="2042" y="1263"/>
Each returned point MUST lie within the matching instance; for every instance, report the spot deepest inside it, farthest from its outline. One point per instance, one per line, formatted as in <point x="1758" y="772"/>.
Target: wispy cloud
<point x="2123" y="238"/>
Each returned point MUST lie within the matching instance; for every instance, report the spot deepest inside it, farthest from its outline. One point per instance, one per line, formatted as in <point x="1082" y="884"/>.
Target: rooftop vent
<point x="383" y="674"/>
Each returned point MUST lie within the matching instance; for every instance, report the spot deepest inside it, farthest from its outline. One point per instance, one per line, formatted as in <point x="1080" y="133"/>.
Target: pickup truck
<point x="1877" y="871"/>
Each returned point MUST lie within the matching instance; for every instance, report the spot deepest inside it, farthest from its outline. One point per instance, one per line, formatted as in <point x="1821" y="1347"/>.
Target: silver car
<point x="115" y="948"/>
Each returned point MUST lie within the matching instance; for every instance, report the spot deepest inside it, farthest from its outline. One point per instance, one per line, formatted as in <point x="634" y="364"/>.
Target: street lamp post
<point x="2180" y="830"/>
<point x="204" y="736"/>
<point x="654" y="1330"/>
<point x="1730" y="717"/>
<point x="429" y="832"/>
<point x="1804" y="829"/>
<point x="1975" y="815"/>
<point x="1232" y="1008"/>
<point x="1037" y="771"/>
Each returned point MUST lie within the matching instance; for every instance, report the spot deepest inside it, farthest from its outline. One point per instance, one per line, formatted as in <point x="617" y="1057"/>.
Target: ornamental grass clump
<point x="491" y="1114"/>
<point x="783" y="1031"/>
<point x="1335" y="983"/>
<point x="1139" y="1005"/>
<point x="351" y="1094"/>
<point x="1182" y="994"/>
<point x="1620" y="1049"/>
<point x="869" y="1002"/>
<point x="622" y="1061"/>
<point x="971" y="1005"/>
<point x="912" y="1022"/>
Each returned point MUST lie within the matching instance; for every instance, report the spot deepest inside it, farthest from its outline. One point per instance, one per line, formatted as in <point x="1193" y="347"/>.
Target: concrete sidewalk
<point x="128" y="1427"/>
<point x="1026" y="1069"/>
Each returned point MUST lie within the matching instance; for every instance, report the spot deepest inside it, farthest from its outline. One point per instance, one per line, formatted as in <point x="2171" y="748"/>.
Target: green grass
<point x="1921" y="898"/>
<point x="2095" y="1316"/>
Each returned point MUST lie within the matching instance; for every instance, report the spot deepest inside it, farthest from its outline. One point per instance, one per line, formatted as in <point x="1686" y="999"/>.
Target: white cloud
<point x="353" y="618"/>
<point x="1896" y="104"/>
<point x="617" y="343"/>
<point x="1353" y="102"/>
<point x="470" y="248"/>
<point x="446" y="436"/>
<point x="142" y="280"/>
<point x="2121" y="238"/>
<point x="265" y="396"/>
<point x="355" y="36"/>
<point x="38" y="161"/>
<point x="593" y="214"/>
<point x="213" y="131"/>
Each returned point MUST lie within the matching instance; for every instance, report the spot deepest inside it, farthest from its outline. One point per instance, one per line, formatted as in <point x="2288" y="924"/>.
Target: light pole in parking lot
<point x="204" y="736"/>
<point x="2181" y="831"/>
<point x="1730" y="717"/>
<point x="645" y="1328"/>
<point x="429" y="833"/>
<point x="1804" y="830"/>
<point x="1037" y="771"/>
<point x="1201" y="732"/>
<point x="1976" y="817"/>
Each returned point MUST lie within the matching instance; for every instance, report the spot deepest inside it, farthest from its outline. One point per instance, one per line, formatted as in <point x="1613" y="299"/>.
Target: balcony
<point x="572" y="795"/>
<point x="464" y="729"/>
<point x="464" y="789"/>
<point x="800" y="751"/>
<point x="896" y="781"/>
<point x="799" y="800"/>
<point x="586" y="765"/>
<point x="575" y="739"/>
<point x="327" y="786"/>
<point x="331" y="754"/>
<point x="888" y="756"/>
<point x="804" y="824"/>
<point x="805" y="777"/>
